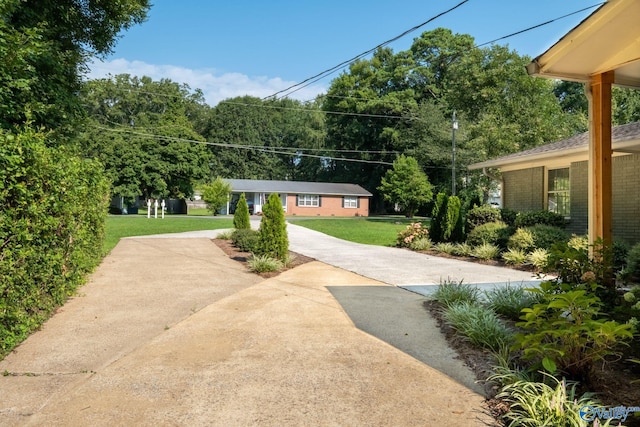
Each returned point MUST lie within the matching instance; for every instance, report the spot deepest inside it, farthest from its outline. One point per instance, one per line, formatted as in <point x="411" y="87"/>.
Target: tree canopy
<point x="406" y="185"/>
<point x="142" y="131"/>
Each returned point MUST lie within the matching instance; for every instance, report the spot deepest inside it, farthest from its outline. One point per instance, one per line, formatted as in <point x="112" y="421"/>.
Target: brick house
<point x="302" y="198"/>
<point x="556" y="177"/>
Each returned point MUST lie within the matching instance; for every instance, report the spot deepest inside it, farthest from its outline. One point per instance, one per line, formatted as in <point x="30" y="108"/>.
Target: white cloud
<point x="216" y="87"/>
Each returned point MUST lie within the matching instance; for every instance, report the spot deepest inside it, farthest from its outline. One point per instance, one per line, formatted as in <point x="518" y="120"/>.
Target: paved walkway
<point x="172" y="332"/>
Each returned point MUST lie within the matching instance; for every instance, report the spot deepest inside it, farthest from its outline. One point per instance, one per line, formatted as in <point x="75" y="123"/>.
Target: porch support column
<point x="600" y="171"/>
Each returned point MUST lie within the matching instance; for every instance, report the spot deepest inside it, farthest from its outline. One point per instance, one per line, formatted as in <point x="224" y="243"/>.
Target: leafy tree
<point x="216" y="194"/>
<point x="142" y="132"/>
<point x="273" y="239"/>
<point x="407" y="185"/>
<point x="241" y="218"/>
<point x="45" y="46"/>
<point x="264" y="139"/>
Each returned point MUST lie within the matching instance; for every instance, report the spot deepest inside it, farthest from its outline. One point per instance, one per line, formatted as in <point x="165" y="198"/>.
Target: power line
<point x="355" y="58"/>
<point x="246" y="147"/>
<point x="540" y="25"/>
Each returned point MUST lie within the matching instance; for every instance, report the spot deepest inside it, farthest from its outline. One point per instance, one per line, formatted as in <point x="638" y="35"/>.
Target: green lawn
<point x="119" y="226"/>
<point x="372" y="231"/>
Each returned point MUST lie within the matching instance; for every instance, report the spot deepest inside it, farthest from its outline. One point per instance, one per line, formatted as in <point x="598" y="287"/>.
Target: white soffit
<point x="608" y="40"/>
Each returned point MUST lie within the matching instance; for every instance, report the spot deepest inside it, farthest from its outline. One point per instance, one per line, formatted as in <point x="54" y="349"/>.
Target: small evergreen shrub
<point x="438" y="218"/>
<point x="544" y="236"/>
<point x="514" y="257"/>
<point x="508" y="216"/>
<point x="449" y="293"/>
<point x="454" y="225"/>
<point x="245" y="239"/>
<point x="495" y="233"/>
<point x="241" y="218"/>
<point x="273" y="239"/>
<point x="411" y="232"/>
<point x="522" y="240"/>
<point x="486" y="251"/>
<point x="528" y="219"/>
<point x="482" y="215"/>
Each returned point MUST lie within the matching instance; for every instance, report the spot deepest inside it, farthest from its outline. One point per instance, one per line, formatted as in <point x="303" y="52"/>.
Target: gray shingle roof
<point x="577" y="143"/>
<point x="296" y="187"/>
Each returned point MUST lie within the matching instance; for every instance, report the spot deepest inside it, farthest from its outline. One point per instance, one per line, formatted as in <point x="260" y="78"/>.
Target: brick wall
<point x="524" y="189"/>
<point x="330" y="206"/>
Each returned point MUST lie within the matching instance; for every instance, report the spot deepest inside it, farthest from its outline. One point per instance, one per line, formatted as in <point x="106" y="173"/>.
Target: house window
<point x="350" y="202"/>
<point x="558" y="191"/>
<point x="311" y="200"/>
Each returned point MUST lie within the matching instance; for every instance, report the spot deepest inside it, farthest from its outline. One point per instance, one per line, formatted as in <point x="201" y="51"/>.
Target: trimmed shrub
<point x="241" y="218"/>
<point x="633" y="261"/>
<point x="245" y="239"/>
<point x="528" y="219"/>
<point x="495" y="233"/>
<point x="454" y="228"/>
<point x="522" y="239"/>
<point x="273" y="240"/>
<point x="482" y="215"/>
<point x="544" y="236"/>
<point x="53" y="209"/>
<point x="438" y="218"/>
<point x="508" y="216"/>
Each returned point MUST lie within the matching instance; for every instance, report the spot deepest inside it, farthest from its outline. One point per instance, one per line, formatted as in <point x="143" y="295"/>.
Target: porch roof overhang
<point x="607" y="40"/>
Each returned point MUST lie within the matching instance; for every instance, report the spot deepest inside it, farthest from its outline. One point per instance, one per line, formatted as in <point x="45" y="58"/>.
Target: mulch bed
<point x="242" y="257"/>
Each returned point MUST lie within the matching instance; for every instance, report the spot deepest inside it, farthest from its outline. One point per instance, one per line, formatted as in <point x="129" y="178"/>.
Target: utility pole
<point x="454" y="127"/>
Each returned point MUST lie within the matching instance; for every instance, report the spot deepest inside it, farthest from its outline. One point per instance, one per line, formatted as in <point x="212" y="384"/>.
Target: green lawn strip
<point x="119" y="226"/>
<point x="372" y="231"/>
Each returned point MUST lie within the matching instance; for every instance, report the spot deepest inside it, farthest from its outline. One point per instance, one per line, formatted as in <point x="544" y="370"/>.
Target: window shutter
<point x="297" y="200"/>
<point x="358" y="202"/>
<point x="343" y="201"/>
<point x="319" y="201"/>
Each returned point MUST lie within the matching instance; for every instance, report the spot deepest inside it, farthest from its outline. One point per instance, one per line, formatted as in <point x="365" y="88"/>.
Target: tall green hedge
<point x="53" y="207"/>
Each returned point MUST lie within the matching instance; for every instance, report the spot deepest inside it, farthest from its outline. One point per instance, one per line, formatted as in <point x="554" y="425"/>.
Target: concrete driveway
<point x="169" y="331"/>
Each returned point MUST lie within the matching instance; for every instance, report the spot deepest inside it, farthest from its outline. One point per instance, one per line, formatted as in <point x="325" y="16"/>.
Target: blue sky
<point x="257" y="47"/>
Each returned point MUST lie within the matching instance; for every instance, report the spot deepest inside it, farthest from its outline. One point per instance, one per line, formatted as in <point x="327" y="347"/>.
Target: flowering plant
<point x="413" y="231"/>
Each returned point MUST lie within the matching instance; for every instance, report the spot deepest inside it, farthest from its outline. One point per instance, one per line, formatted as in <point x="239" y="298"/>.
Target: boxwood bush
<point x="544" y="236"/>
<point x="527" y="219"/>
<point x="482" y="215"/>
<point x="245" y="239"/>
<point x="53" y="210"/>
<point x="496" y="233"/>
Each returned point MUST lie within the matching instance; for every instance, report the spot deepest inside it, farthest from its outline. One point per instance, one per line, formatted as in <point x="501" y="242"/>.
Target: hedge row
<point x="53" y="207"/>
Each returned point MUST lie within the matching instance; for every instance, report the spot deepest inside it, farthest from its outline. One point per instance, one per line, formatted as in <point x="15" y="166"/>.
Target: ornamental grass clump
<point x="450" y="292"/>
<point x="478" y="324"/>
<point x="445" y="247"/>
<point x="264" y="264"/>
<point x="413" y="231"/>
<point x="539" y="404"/>
<point x="486" y="251"/>
<point x="514" y="257"/>
<point x="421" y="244"/>
<point x="538" y="258"/>
<point x="509" y="300"/>
<point x="462" y="249"/>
